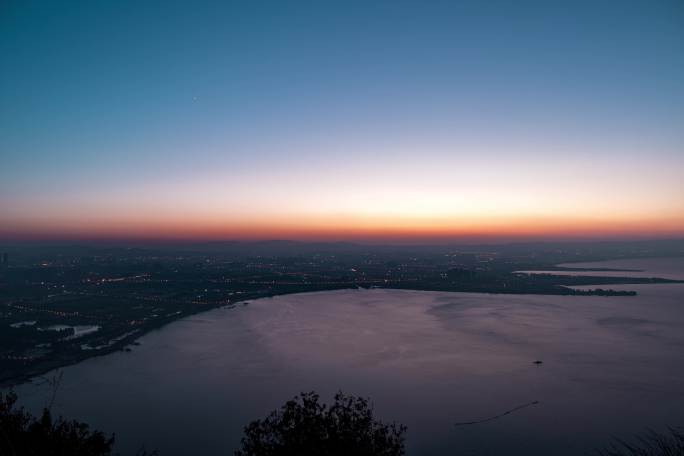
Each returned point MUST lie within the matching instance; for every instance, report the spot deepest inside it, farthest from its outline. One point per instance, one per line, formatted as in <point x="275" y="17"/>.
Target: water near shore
<point x="612" y="366"/>
<point x="664" y="268"/>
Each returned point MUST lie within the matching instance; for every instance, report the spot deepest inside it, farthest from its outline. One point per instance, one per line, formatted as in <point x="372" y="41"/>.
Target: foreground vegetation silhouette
<point x="304" y="426"/>
<point x="22" y="434"/>
<point x="650" y="444"/>
<point x="301" y="427"/>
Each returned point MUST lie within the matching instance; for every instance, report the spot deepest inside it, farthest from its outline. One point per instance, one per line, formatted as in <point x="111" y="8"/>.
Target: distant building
<point x="5" y="259"/>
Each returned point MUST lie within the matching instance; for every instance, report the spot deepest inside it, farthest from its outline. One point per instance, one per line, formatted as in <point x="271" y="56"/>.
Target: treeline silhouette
<point x="22" y="434"/>
<point x="303" y="426"/>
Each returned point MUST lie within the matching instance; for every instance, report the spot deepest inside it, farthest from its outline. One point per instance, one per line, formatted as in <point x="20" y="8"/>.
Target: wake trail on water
<point x="491" y="418"/>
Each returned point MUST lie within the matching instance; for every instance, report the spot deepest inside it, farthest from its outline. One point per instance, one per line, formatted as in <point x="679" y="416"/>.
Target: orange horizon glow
<point x="349" y="227"/>
<point x="428" y="202"/>
<point x="334" y="131"/>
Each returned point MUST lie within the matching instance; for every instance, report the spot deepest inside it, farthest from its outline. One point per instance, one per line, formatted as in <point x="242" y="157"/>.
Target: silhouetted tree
<point x="305" y="427"/>
<point x="651" y="444"/>
<point x="21" y="434"/>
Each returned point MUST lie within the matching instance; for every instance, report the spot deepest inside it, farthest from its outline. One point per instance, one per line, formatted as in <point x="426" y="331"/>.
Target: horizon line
<point x="418" y="242"/>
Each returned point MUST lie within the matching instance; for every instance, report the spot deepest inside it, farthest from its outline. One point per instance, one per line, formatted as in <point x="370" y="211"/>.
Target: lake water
<point x="612" y="366"/>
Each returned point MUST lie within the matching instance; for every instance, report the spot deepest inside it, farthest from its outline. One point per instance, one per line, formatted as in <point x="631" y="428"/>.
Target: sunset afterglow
<point x="461" y="129"/>
<point x="403" y="227"/>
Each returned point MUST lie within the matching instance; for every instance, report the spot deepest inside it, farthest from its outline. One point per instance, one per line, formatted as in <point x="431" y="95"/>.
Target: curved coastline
<point x="584" y="287"/>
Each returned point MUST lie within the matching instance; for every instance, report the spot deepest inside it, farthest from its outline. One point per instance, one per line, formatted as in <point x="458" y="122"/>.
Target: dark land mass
<point x="569" y="269"/>
<point x="61" y="303"/>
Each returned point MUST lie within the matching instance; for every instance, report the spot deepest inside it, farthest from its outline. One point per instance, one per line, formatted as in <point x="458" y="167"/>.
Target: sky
<point x="343" y="120"/>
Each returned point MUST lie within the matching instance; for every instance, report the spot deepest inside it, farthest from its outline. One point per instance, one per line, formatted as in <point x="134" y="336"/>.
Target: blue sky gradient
<point x="125" y="108"/>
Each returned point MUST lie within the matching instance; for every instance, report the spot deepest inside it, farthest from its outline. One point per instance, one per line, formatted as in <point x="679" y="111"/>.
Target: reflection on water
<point x="611" y="366"/>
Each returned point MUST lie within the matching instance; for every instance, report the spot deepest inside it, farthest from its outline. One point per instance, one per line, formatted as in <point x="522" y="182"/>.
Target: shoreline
<point x="124" y="343"/>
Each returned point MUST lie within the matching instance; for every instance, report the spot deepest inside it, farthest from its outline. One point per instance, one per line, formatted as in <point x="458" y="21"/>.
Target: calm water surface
<point x="612" y="366"/>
